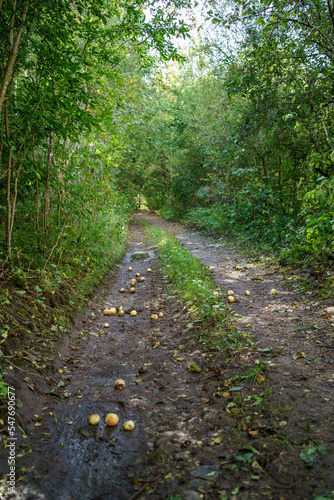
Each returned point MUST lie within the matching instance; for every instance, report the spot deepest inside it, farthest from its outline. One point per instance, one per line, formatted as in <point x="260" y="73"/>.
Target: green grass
<point x="196" y="290"/>
<point x="192" y="279"/>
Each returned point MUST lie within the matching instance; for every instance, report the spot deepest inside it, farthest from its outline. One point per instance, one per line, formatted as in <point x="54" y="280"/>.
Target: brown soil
<point x="197" y="435"/>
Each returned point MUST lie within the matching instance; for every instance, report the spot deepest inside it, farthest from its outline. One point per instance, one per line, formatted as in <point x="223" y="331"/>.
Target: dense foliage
<point x="240" y="139"/>
<point x="70" y="74"/>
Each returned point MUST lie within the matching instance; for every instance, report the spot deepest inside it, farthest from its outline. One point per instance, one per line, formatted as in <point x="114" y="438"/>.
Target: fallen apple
<point x="247" y="292"/>
<point x="149" y="270"/>
<point x="122" y="290"/>
<point x="113" y="311"/>
<point x="101" y="332"/>
<point x="273" y="291"/>
<point x="120" y="312"/>
<point x="137" y="275"/>
<point x="133" y="282"/>
<point x="107" y="312"/>
<point x="143" y="369"/>
<point x="230" y="292"/>
<point x="129" y="268"/>
<point x="93" y="419"/>
<point x="119" y="384"/>
<point x="132" y="289"/>
<point x="142" y="278"/>
<point x="111" y="419"/>
<point x="106" y="325"/>
<point x="154" y="316"/>
<point x="129" y="425"/>
<point x="160" y="314"/>
<point x="238" y="268"/>
<point x="133" y="313"/>
<point x="230" y="298"/>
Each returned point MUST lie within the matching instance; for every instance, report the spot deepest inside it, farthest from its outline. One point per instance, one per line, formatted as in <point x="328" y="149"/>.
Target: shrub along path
<point x="253" y="420"/>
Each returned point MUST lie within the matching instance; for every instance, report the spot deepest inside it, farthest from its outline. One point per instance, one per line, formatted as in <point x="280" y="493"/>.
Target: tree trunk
<point x="8" y="187"/>
<point x="47" y="185"/>
<point x="265" y="170"/>
<point x="14" y="42"/>
<point x="330" y="4"/>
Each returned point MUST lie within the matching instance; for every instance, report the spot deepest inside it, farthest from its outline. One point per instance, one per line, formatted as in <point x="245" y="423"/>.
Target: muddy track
<point x="187" y="436"/>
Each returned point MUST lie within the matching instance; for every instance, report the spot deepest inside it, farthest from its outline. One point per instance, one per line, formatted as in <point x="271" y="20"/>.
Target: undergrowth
<point x="38" y="301"/>
<point x="251" y="243"/>
<point x="287" y="243"/>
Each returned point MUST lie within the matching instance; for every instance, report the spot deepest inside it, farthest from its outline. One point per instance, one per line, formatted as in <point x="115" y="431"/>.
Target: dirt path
<point x="194" y="437"/>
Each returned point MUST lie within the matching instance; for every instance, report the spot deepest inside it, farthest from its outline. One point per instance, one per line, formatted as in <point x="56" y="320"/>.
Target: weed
<point x="255" y="374"/>
<point x="259" y="399"/>
<point x="279" y="410"/>
<point x="310" y="452"/>
<point x="3" y="388"/>
<point x="243" y="462"/>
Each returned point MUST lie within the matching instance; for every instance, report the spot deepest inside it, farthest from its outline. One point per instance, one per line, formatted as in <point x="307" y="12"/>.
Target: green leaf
<point x="322" y="450"/>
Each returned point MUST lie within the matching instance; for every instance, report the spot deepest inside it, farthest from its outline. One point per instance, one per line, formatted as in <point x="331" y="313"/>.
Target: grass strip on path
<point x="197" y="290"/>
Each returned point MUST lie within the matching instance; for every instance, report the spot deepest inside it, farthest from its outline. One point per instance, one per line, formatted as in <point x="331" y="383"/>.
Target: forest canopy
<point x="71" y="73"/>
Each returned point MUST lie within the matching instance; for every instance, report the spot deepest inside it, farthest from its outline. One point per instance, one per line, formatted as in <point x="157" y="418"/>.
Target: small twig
<point x="55" y="394"/>
<point x="139" y="491"/>
<point x="55" y="245"/>
<point x="4" y="262"/>
<point x="27" y="373"/>
<point x="161" y="385"/>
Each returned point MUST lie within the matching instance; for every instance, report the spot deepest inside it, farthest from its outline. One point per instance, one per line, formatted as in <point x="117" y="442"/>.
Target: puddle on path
<point x="138" y="256"/>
